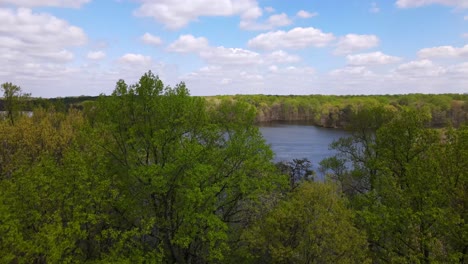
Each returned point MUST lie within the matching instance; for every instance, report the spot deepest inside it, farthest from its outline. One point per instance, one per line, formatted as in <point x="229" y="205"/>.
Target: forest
<point x="151" y="174"/>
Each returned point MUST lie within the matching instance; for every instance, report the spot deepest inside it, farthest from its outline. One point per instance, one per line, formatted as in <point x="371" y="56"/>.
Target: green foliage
<point x="13" y="98"/>
<point x="403" y="190"/>
<point x="312" y="225"/>
<point x="53" y="200"/>
<point x="340" y="111"/>
<point x="151" y="174"/>
<point x="188" y="172"/>
<point x="148" y="175"/>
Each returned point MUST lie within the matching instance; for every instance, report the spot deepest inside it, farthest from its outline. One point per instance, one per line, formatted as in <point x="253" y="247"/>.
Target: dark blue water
<point x="297" y="140"/>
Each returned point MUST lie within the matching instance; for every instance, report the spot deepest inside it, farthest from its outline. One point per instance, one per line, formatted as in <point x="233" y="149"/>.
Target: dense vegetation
<point x="337" y="111"/>
<point x="320" y="110"/>
<point x="151" y="174"/>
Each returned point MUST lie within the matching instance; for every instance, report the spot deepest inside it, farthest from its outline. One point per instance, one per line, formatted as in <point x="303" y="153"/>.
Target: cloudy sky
<point x="82" y="47"/>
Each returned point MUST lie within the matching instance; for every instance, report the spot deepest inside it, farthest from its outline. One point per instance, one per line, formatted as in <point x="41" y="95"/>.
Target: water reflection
<point x="296" y="140"/>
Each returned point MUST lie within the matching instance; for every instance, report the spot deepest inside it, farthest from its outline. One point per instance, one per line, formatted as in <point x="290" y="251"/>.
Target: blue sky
<point x="82" y="47"/>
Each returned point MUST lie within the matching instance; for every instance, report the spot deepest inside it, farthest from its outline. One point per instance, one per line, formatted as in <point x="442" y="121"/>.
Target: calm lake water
<point x="297" y="140"/>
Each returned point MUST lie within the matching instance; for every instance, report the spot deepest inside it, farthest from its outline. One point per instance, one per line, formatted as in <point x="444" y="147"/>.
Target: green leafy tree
<point x="13" y="97"/>
<point x="454" y="171"/>
<point x="406" y="203"/>
<point x="55" y="196"/>
<point x="406" y="191"/>
<point x="312" y="225"/>
<point x="359" y="150"/>
<point x="186" y="177"/>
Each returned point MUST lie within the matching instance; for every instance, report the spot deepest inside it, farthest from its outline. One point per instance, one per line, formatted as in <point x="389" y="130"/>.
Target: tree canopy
<point x="150" y="174"/>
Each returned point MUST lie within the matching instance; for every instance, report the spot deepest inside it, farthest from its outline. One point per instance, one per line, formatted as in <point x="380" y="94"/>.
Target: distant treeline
<point x="336" y="111"/>
<point x="321" y="110"/>
<point x="59" y="103"/>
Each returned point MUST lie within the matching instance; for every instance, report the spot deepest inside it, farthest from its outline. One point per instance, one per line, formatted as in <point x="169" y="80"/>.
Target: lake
<point x="297" y="140"/>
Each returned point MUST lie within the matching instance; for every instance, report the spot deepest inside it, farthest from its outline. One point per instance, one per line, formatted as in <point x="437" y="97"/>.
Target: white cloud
<point x="96" y="55"/>
<point x="297" y="38"/>
<point x="280" y="56"/>
<point x="353" y="42"/>
<point x="465" y="18"/>
<point x="132" y="59"/>
<point x="233" y="57"/>
<point x="371" y="58"/>
<point x="459" y="69"/>
<point x="305" y="14"/>
<point x="36" y="45"/>
<point x="34" y="51"/>
<point x="412" y="77"/>
<point x="266" y="80"/>
<point x="274" y="21"/>
<point x="230" y="56"/>
<point x="178" y="14"/>
<point x="420" y="68"/>
<point x="464" y="35"/>
<point x="273" y="68"/>
<point x="419" y="3"/>
<point x="52" y="80"/>
<point x="374" y="8"/>
<point x="188" y="43"/>
<point x="279" y="20"/>
<point x="150" y="39"/>
<point x="221" y="80"/>
<point x="354" y="71"/>
<point x="37" y="31"/>
<point x="37" y="51"/>
<point x="54" y="3"/>
<point x="63" y="55"/>
<point x="443" y="52"/>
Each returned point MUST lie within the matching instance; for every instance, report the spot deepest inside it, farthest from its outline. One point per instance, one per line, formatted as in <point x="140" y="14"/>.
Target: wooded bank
<point x="320" y="110"/>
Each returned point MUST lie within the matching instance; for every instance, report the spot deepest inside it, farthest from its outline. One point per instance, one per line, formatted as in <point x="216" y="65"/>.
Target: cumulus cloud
<point x="281" y="56"/>
<point x="188" y="43"/>
<point x="274" y="21"/>
<point x="96" y="55"/>
<point x="36" y="45"/>
<point x="25" y="31"/>
<point x="53" y="3"/>
<point x="237" y="70"/>
<point x="132" y="58"/>
<point x="419" y="3"/>
<point x="305" y="14"/>
<point x="270" y="80"/>
<point x="296" y="38"/>
<point x="215" y="55"/>
<point x="178" y="14"/>
<point x="230" y="56"/>
<point x="279" y="20"/>
<point x="355" y="71"/>
<point x="420" y="68"/>
<point x="459" y="69"/>
<point x="420" y="76"/>
<point x="221" y="80"/>
<point x="150" y="39"/>
<point x="353" y="43"/>
<point x="372" y="58"/>
<point x="37" y="49"/>
<point x="444" y="52"/>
